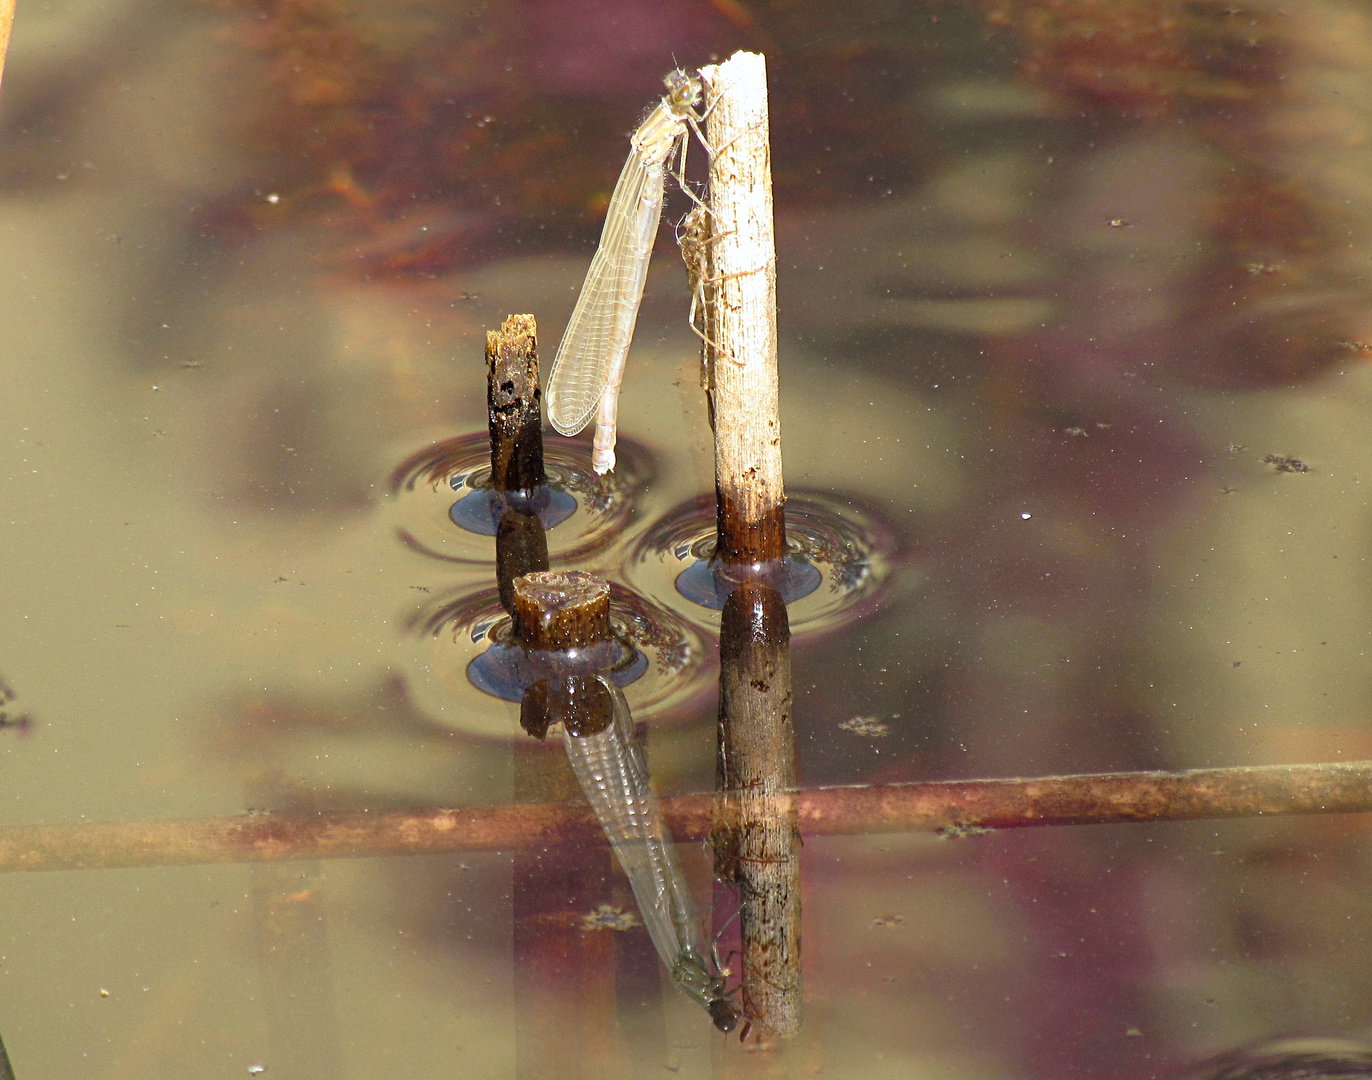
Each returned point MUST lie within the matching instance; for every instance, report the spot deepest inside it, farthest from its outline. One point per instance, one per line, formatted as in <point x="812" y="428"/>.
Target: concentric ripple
<point x="835" y="538"/>
<point x="465" y="657"/>
<point x="444" y="504"/>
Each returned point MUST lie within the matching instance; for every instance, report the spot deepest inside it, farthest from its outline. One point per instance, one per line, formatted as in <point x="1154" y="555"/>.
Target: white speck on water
<point x="1025" y="516"/>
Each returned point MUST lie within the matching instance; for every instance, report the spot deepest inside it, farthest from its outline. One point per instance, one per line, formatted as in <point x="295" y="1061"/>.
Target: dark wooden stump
<point x="514" y="405"/>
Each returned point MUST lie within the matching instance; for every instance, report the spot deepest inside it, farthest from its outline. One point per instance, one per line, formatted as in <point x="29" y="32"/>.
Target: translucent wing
<point x="602" y="324"/>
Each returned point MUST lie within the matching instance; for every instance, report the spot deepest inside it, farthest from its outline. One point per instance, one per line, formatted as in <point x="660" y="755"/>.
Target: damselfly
<point x="589" y="365"/>
<point x="610" y="769"/>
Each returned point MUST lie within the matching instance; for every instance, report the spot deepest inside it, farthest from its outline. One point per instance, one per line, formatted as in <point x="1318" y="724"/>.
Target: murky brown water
<point x="1051" y="294"/>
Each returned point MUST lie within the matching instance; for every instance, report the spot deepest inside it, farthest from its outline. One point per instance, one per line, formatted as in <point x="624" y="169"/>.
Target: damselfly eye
<point x="681" y="88"/>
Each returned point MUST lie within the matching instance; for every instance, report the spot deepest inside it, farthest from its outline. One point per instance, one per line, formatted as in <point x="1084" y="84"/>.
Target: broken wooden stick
<point x="514" y="407"/>
<point x="752" y="530"/>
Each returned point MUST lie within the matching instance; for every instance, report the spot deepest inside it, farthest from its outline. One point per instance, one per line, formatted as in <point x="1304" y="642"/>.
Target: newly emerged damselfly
<point x="589" y="365"/>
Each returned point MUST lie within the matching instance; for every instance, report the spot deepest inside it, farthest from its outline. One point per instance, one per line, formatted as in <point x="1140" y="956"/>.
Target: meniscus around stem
<point x="589" y="365"/>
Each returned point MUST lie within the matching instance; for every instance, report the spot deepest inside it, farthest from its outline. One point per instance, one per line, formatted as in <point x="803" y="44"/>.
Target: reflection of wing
<point x="610" y="769"/>
<point x="597" y="338"/>
<point x="611" y="772"/>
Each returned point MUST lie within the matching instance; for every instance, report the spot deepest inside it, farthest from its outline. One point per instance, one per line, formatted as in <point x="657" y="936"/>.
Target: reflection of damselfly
<point x="589" y="365"/>
<point x="611" y="771"/>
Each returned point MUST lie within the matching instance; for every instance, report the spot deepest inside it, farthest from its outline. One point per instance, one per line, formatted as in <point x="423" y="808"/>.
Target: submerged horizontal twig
<point x="956" y="806"/>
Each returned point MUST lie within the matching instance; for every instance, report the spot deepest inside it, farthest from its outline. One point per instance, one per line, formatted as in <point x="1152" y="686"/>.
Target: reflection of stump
<point x="521" y="547"/>
<point x="758" y="843"/>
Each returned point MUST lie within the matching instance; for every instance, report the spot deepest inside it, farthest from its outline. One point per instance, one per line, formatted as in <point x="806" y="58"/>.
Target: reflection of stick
<point x="521" y="545"/>
<point x="954" y="806"/>
<point x="747" y="426"/>
<point x="757" y="845"/>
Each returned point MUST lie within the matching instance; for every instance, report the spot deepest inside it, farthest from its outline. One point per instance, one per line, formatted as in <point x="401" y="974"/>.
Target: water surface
<point x="1051" y="301"/>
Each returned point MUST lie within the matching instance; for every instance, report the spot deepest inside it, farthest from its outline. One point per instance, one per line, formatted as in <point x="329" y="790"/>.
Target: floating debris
<point x="1286" y="464"/>
<point x="868" y="726"/>
<point x="608" y="917"/>
<point x="10" y="715"/>
<point x="962" y="830"/>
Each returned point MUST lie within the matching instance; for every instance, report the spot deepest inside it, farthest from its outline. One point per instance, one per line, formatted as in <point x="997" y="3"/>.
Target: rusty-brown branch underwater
<point x="950" y="806"/>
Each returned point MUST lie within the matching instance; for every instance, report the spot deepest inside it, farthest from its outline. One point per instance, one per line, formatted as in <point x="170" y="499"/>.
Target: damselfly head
<point x="683" y="91"/>
<point x="725" y="1013"/>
